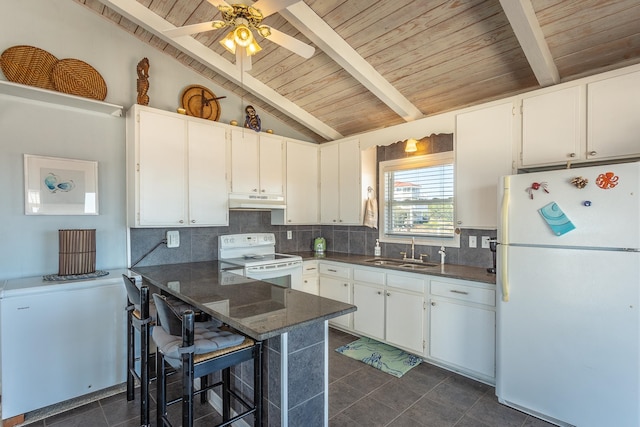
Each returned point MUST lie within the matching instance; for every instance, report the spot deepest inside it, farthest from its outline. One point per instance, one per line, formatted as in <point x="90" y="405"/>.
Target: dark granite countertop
<point x="453" y="271"/>
<point x="258" y="309"/>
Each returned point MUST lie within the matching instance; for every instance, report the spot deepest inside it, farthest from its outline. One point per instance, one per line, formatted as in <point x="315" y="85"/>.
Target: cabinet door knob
<point x="345" y="284"/>
<point x="388" y="294"/>
<point x="255" y="190"/>
<point x="592" y="153"/>
<point x="572" y="154"/>
<point x="334" y="220"/>
<point x="379" y="292"/>
<point x="262" y="191"/>
<point x="433" y="303"/>
<point x="181" y="221"/>
<point x="193" y="221"/>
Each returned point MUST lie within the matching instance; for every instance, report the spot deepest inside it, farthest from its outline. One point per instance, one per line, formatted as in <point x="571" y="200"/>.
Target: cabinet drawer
<point x="368" y="276"/>
<point x="409" y="283"/>
<point x="335" y="270"/>
<point x="310" y="268"/>
<point x="464" y="292"/>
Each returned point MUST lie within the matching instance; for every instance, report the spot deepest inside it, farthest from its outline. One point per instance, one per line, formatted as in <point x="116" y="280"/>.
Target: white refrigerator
<point x="568" y="334"/>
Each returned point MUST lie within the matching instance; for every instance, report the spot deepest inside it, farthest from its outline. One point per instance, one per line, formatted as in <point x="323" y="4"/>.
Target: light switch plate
<point x="485" y="242"/>
<point x="173" y="239"/>
<point x="289" y="235"/>
<point x="473" y="242"/>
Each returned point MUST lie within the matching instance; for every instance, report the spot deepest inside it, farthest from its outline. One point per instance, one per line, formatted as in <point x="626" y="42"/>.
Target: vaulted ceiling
<point x="379" y="63"/>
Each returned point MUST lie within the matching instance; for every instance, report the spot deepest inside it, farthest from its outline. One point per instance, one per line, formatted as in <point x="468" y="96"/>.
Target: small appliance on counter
<point x="319" y="245"/>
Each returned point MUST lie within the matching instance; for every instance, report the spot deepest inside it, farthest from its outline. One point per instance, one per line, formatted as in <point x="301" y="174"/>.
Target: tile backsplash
<point x="201" y="244"/>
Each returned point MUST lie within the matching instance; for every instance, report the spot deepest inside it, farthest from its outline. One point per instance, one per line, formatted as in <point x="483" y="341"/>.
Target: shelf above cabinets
<point x="58" y="98"/>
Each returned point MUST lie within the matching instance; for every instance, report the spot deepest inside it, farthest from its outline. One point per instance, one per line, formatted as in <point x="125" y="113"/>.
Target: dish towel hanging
<point x="371" y="210"/>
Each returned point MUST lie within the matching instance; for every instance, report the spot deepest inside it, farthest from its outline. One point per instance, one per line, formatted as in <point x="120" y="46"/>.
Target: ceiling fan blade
<point x="217" y="3"/>
<point x="189" y="29"/>
<point x="269" y="7"/>
<point x="291" y="43"/>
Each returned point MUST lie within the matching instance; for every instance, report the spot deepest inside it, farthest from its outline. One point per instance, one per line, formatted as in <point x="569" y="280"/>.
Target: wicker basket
<point x="77" y="252"/>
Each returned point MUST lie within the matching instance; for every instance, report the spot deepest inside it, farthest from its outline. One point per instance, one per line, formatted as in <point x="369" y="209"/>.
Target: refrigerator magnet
<point x="556" y="219"/>
<point x="607" y="180"/>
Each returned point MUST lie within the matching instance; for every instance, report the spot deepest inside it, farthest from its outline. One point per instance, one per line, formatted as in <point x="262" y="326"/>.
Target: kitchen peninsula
<point x="292" y="324"/>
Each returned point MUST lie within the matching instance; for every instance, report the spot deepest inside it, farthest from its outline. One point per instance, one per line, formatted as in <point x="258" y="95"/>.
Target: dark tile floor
<point x="359" y="395"/>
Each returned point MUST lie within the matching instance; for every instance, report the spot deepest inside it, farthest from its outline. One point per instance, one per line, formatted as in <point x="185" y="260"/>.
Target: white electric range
<point x="253" y="255"/>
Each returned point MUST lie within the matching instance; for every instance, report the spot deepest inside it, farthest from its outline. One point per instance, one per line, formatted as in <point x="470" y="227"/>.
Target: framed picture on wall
<point x="57" y="186"/>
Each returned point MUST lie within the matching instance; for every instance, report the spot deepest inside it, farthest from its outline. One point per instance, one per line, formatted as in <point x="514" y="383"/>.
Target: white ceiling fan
<point x="243" y="20"/>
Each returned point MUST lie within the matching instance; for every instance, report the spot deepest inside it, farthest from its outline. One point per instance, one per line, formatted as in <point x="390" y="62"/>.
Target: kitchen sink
<point x="401" y="263"/>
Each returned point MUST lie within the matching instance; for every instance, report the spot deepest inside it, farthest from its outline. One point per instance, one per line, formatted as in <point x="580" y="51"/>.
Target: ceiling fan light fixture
<point x="243" y="35"/>
<point x="253" y="48"/>
<point x="264" y="31"/>
<point x="216" y="25"/>
<point x="229" y="43"/>
<point x="411" y="146"/>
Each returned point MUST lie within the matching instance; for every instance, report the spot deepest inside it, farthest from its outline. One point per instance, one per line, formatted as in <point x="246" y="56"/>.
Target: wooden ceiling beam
<point x="153" y="23"/>
<point x="527" y="29"/>
<point x="305" y="20"/>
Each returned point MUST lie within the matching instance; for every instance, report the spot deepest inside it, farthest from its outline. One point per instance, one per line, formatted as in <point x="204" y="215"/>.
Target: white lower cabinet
<point x="405" y="320"/>
<point x="369" y="319"/>
<point x="449" y="322"/>
<point x="335" y="283"/>
<point x="462" y="327"/>
<point x="310" y="278"/>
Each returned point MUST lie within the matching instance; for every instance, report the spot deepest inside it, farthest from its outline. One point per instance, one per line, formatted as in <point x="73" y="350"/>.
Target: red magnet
<point x="607" y="180"/>
<point x="537" y="186"/>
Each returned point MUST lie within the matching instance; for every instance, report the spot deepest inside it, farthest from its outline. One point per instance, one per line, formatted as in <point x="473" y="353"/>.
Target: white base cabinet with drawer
<point x="335" y="283"/>
<point x="310" y="278"/>
<point x="369" y="297"/>
<point x="406" y="311"/>
<point x="462" y="327"/>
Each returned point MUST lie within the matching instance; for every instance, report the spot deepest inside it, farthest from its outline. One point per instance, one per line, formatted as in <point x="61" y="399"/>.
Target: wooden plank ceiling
<point x="380" y="63"/>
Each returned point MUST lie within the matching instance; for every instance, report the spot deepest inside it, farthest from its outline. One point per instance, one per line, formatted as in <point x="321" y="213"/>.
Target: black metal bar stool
<point x="200" y="349"/>
<point x="138" y="317"/>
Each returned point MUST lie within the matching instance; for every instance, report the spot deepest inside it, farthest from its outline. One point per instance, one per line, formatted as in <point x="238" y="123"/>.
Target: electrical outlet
<point x="473" y="242"/>
<point x="173" y="239"/>
<point x="289" y="235"/>
<point x="485" y="242"/>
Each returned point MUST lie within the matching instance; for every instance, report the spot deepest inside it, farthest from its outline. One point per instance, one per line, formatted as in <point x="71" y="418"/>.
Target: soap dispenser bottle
<point x="376" y="250"/>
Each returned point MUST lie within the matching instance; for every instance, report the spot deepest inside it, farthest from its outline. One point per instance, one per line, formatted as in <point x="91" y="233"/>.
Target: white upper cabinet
<point x="257" y="163"/>
<point x="345" y="174"/>
<point x="613" y="108"/>
<point x="302" y="185"/>
<point x="553" y="127"/>
<point x="176" y="170"/>
<point x="330" y="184"/>
<point x="208" y="200"/>
<point x="484" y="147"/>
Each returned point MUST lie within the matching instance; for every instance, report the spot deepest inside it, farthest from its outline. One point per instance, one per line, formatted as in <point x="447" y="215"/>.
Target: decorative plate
<point x="28" y="65"/>
<point x="192" y="101"/>
<point x="76" y="77"/>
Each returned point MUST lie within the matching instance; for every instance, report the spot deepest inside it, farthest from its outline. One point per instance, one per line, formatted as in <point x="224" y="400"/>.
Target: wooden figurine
<point x="143" y="81"/>
<point x="252" y="120"/>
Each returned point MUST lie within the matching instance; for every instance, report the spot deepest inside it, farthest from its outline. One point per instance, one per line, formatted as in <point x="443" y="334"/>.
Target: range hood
<point x="255" y="201"/>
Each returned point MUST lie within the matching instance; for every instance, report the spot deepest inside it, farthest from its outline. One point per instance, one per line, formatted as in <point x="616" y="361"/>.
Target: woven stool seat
<point x="197" y="350"/>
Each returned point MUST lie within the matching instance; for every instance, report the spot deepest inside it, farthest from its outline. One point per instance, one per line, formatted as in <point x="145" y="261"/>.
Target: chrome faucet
<point x="413" y="248"/>
<point x="413" y="253"/>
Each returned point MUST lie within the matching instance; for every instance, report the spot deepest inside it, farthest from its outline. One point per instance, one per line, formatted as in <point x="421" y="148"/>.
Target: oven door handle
<point x="277" y="267"/>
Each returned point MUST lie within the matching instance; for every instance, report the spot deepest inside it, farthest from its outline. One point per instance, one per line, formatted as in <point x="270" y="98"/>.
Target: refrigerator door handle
<point x="504" y="273"/>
